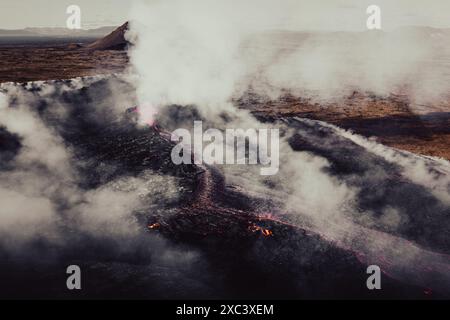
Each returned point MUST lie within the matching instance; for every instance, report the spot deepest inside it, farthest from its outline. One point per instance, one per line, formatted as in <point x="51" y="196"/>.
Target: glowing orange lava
<point x="264" y="232"/>
<point x="154" y="226"/>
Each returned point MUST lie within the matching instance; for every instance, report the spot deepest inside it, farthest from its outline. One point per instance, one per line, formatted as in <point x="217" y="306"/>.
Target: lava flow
<point x="215" y="211"/>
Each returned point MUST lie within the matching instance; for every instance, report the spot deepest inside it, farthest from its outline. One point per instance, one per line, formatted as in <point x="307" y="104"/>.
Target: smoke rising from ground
<point x="208" y="52"/>
<point x="44" y="200"/>
<point x="43" y="189"/>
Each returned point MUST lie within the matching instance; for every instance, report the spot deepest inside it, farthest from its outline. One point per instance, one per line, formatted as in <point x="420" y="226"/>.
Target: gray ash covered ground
<point x="210" y="242"/>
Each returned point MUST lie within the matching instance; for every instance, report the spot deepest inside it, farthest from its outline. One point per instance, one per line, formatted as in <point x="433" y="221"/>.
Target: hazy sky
<point x="17" y="14"/>
<point x="312" y="14"/>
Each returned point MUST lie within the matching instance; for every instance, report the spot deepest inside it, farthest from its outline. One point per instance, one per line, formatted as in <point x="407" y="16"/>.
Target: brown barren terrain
<point x="23" y="64"/>
<point x="391" y="119"/>
<point x="65" y="61"/>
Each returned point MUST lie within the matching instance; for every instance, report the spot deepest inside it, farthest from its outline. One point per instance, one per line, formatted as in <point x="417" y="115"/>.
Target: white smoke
<point x="331" y="66"/>
<point x="41" y="168"/>
<point x="197" y="53"/>
<point x="188" y="52"/>
<point x="432" y="173"/>
<point x="40" y="191"/>
<point x="208" y="52"/>
<point x="204" y="52"/>
<point x="48" y="215"/>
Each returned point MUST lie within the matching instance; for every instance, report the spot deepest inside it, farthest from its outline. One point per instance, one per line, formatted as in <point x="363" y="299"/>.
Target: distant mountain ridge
<point x="57" y="32"/>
